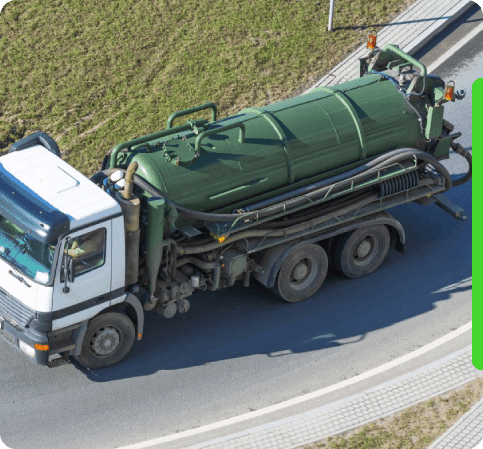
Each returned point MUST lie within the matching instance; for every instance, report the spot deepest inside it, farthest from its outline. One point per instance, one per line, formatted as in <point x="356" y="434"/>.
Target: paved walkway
<point x="384" y="400"/>
<point x="466" y="433"/>
<point x="410" y="31"/>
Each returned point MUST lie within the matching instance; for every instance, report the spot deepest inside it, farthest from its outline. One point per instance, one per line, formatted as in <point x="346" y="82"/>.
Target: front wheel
<point x="362" y="251"/>
<point x="108" y="339"/>
<point x="302" y="273"/>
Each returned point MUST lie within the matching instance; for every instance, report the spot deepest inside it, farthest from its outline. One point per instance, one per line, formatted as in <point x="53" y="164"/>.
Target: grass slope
<point x="96" y="73"/>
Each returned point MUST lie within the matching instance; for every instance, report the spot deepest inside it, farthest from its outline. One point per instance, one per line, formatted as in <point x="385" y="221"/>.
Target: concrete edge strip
<point x="315" y="394"/>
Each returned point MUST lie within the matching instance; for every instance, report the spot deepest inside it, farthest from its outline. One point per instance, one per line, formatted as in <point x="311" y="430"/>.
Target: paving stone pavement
<point x="467" y="432"/>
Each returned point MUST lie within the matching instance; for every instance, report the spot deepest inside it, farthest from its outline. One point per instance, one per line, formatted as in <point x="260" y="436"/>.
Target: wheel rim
<point x="105" y="341"/>
<point x="365" y="251"/>
<point x="303" y="273"/>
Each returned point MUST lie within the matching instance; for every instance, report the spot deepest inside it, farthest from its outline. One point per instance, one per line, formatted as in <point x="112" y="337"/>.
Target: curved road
<point x="239" y="349"/>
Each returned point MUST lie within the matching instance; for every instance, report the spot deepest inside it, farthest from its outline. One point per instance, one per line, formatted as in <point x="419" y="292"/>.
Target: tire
<point x="302" y="273"/>
<point x="362" y="251"/>
<point x="114" y="327"/>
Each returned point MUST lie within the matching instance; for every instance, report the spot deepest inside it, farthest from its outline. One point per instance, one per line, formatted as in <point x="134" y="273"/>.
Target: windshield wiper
<point x="19" y="278"/>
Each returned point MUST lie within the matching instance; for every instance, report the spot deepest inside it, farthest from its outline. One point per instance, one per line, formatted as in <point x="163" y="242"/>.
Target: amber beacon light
<point x="449" y="91"/>
<point x="371" y="40"/>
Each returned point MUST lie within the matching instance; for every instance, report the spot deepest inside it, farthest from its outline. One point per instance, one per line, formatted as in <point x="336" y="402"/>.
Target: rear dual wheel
<point x="360" y="252"/>
<point x="354" y="254"/>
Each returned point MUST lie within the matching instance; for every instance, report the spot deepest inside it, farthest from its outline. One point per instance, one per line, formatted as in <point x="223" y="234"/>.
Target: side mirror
<point x="70" y="269"/>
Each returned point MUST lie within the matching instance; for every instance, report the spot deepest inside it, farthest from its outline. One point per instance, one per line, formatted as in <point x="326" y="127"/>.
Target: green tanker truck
<point x="275" y="194"/>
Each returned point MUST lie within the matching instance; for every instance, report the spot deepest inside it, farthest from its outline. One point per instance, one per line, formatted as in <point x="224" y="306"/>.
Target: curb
<point x="348" y="68"/>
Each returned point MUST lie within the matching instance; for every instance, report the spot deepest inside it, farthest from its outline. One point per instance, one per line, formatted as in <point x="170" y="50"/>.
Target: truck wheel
<point x="302" y="273"/>
<point x="108" y="339"/>
<point x="362" y="251"/>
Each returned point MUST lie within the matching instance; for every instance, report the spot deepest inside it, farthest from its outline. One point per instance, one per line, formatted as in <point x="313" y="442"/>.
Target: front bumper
<point x="12" y="334"/>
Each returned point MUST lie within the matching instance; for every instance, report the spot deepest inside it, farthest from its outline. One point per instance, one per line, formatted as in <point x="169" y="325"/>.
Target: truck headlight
<point x="25" y="348"/>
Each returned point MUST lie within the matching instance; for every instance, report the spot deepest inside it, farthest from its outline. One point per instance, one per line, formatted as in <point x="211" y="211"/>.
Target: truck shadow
<point x="238" y="322"/>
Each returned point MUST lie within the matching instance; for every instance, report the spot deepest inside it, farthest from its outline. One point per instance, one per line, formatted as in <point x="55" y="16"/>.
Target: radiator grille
<point x="13" y="309"/>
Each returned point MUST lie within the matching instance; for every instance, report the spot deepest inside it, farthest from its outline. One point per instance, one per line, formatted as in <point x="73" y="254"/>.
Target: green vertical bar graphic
<point x="477" y="186"/>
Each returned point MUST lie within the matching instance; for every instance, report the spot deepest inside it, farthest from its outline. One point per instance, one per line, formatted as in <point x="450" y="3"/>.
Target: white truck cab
<point x="50" y="215"/>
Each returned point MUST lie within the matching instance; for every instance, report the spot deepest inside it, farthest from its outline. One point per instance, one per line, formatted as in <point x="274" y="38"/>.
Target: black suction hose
<point x="292" y="229"/>
<point x="457" y="148"/>
<point x="307" y="191"/>
<point x="355" y="175"/>
<point x="325" y="208"/>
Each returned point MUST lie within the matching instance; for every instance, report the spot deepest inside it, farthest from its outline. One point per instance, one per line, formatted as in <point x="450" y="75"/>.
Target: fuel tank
<point x="270" y="150"/>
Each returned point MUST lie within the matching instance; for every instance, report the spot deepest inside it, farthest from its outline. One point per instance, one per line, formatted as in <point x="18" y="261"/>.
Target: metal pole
<point x="331" y="14"/>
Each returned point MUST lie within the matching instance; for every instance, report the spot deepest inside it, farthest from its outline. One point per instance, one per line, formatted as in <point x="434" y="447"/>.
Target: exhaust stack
<point x="131" y="206"/>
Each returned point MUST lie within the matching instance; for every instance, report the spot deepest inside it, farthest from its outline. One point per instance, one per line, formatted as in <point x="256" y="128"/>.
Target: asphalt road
<point x="239" y="349"/>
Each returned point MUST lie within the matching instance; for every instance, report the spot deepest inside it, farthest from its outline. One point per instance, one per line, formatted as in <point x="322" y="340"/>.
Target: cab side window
<point x="88" y="251"/>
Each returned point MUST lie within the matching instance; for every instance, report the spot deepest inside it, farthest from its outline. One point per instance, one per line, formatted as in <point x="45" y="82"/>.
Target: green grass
<point x="96" y="73"/>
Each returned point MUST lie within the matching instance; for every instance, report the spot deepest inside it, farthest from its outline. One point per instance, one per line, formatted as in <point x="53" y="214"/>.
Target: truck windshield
<point x="29" y="255"/>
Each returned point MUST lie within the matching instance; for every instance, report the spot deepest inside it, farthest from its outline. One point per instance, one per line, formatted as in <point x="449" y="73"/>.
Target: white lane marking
<point x="315" y="394"/>
<point x="455" y="48"/>
<point x="345" y="383"/>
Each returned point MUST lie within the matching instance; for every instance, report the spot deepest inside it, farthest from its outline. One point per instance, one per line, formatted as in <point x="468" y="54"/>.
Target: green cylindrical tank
<point x="271" y="150"/>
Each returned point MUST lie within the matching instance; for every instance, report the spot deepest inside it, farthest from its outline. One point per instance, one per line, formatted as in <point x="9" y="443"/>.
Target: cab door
<point x="90" y="249"/>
